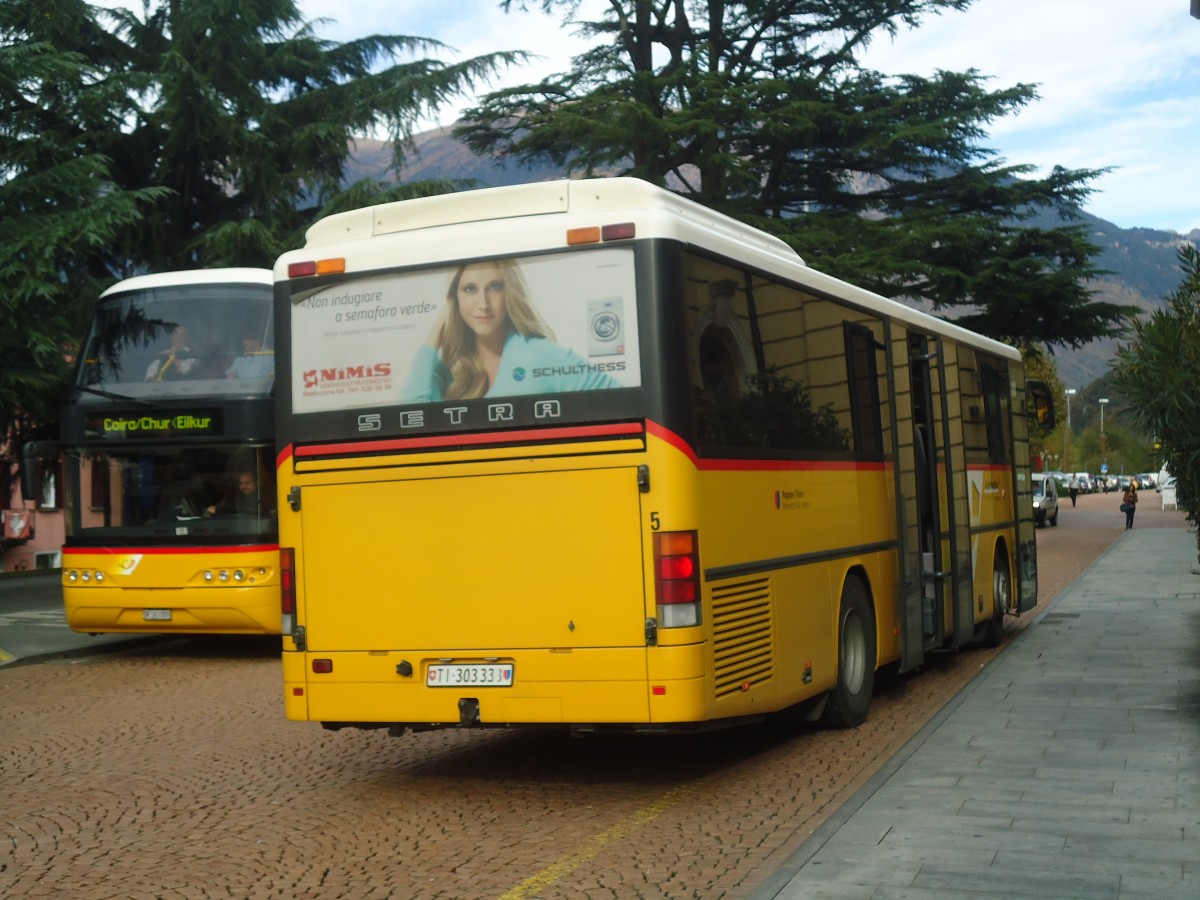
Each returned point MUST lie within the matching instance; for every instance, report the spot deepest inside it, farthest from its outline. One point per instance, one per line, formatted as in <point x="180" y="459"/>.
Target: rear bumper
<point x="550" y="687"/>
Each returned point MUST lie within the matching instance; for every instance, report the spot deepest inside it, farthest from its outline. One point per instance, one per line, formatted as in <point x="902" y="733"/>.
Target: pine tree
<point x="59" y="205"/>
<point x="188" y="134"/>
<point x="762" y="110"/>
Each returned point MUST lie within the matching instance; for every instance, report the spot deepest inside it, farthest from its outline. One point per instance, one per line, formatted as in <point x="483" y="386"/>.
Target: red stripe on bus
<point x="524" y="436"/>
<point x="167" y="551"/>
<point x="283" y="456"/>
<point x="761" y="465"/>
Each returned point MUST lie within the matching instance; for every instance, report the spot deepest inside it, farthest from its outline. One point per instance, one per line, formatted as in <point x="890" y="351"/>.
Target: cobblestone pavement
<point x="170" y="772"/>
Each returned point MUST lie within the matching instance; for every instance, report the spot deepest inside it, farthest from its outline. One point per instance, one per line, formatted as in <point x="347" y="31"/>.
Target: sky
<point x="1118" y="81"/>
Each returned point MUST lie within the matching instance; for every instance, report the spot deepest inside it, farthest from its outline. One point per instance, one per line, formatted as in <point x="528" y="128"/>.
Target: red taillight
<point x="287" y="580"/>
<point x="677" y="566"/>
<point x="302" y="269"/>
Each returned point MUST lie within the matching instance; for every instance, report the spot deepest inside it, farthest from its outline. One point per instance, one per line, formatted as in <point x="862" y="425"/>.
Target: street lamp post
<point x="1070" y="392"/>
<point x="1103" y="401"/>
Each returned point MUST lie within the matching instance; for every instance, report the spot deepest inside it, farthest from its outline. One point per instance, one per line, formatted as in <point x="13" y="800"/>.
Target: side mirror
<point x="1041" y="402"/>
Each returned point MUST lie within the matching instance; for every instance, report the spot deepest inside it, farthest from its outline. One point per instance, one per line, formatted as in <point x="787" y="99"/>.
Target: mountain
<point x="1141" y="263"/>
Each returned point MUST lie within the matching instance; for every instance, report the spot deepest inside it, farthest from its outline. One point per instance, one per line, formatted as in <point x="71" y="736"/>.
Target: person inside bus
<point x="174" y="362"/>
<point x="245" y="501"/>
<point x="489" y="342"/>
<point x="255" y="362"/>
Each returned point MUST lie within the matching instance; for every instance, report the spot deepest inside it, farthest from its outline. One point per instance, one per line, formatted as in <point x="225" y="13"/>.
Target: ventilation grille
<point x="742" y="635"/>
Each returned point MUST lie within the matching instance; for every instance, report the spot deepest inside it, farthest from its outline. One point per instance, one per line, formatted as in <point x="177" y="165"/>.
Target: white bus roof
<point x="549" y="208"/>
<point x="191" y="276"/>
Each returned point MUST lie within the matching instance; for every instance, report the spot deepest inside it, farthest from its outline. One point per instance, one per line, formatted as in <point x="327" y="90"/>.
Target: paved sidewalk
<point x="1070" y="768"/>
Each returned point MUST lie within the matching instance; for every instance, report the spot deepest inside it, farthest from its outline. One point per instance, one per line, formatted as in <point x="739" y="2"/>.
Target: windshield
<point x="175" y="494"/>
<point x="1039" y="487"/>
<point x="213" y="338"/>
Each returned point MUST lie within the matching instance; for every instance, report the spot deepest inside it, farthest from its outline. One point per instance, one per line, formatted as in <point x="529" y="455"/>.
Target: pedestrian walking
<point x="1074" y="486"/>
<point x="1129" y="503"/>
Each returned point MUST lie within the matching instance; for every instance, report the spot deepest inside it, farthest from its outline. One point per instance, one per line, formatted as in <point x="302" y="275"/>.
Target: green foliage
<point x="248" y="118"/>
<point x="762" y="110"/>
<point x="59" y="209"/>
<point x="1158" y="373"/>
<point x="182" y="135"/>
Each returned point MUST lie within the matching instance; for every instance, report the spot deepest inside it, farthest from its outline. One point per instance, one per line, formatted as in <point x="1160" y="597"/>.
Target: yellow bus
<point x="587" y="454"/>
<point x="169" y="462"/>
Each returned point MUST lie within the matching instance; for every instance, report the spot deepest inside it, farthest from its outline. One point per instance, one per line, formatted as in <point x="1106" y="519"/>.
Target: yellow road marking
<point x="569" y="863"/>
<point x="5" y="656"/>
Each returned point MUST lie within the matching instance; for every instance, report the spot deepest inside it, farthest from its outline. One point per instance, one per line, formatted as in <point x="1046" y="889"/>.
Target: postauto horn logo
<point x="316" y="377"/>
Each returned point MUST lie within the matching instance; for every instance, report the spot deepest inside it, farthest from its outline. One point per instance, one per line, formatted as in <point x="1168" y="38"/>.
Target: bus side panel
<point x="992" y="521"/>
<point x="796" y="533"/>
<point x="141" y="584"/>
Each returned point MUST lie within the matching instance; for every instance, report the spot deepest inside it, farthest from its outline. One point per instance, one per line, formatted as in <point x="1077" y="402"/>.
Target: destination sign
<point x="164" y="423"/>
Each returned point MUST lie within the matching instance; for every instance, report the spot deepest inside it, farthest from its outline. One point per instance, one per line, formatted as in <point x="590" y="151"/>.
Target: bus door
<point x="934" y="512"/>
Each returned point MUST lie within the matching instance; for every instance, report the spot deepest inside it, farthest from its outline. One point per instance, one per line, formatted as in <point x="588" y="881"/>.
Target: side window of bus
<point x="761" y="378"/>
<point x="985" y="393"/>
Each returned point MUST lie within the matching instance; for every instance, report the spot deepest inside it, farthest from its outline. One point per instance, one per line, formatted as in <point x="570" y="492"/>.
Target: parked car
<point x="1166" y="489"/>
<point x="1087" y="484"/>
<point x="1146" y="480"/>
<point x="1045" y="499"/>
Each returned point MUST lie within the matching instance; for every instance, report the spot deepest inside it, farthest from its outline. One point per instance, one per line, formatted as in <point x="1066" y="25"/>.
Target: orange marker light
<point x="583" y="236"/>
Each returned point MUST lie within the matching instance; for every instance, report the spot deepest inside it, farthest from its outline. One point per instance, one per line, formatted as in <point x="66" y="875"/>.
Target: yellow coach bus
<point x="168" y="457"/>
<point x="587" y="454"/>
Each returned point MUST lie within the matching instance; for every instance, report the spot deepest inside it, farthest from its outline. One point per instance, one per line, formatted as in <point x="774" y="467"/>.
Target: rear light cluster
<point x="84" y="575"/>
<point x="596" y="233"/>
<point x="287" y="588"/>
<point x="677" y="578"/>
<point x="304" y="268"/>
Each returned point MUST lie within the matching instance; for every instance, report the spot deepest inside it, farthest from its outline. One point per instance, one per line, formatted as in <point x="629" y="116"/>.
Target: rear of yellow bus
<point x="525" y="557"/>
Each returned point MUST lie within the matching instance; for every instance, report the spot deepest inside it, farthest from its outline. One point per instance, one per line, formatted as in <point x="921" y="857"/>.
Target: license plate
<point x="469" y="675"/>
<point x="156" y="615"/>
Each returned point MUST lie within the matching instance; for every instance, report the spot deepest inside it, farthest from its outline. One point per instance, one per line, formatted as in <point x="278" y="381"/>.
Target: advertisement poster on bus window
<point x="496" y="328"/>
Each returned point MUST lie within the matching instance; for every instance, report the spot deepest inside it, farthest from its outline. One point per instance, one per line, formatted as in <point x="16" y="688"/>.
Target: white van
<point x="1045" y="499"/>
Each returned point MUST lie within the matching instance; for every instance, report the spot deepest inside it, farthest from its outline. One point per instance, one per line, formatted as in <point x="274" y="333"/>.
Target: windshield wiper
<point x="109" y="395"/>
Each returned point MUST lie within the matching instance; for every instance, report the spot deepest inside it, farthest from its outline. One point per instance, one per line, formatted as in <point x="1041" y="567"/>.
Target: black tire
<point x="993" y="634"/>
<point x="1054" y="520"/>
<point x="850" y="698"/>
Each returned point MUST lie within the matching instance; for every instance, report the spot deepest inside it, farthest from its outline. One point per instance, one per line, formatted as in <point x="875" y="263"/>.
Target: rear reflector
<point x="287" y="580"/>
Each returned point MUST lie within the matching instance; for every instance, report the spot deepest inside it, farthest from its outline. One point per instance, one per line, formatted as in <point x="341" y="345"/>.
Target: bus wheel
<point x="851" y="696"/>
<point x="993" y="634"/>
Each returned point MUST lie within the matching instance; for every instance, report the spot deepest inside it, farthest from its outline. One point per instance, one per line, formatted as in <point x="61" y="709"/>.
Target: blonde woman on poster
<point x="490" y="342"/>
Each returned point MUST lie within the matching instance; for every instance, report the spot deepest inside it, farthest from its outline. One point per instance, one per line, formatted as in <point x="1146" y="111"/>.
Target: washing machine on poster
<point x="606" y="334"/>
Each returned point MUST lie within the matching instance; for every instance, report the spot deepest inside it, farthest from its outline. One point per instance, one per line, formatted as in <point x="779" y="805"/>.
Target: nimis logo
<point x="343" y="374"/>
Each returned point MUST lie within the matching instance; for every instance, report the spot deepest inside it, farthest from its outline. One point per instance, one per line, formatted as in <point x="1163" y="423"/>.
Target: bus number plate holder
<point x="449" y="675"/>
<point x="156" y="615"/>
